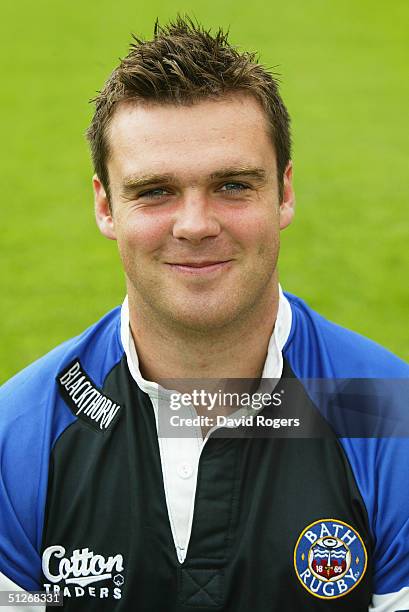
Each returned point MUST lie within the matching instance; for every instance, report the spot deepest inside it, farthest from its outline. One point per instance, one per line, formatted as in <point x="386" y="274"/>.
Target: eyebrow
<point x="249" y="171"/>
<point x="133" y="182"/>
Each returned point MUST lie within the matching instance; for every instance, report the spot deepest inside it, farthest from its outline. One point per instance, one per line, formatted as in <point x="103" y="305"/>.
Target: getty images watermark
<point x="241" y="408"/>
<point x="227" y="407"/>
<point x="208" y="400"/>
<point x="287" y="407"/>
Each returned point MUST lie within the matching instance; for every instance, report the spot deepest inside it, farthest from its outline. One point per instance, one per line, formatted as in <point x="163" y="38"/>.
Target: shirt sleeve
<point x="30" y="422"/>
<point x="391" y="602"/>
<point x="381" y="468"/>
<point x="20" y="511"/>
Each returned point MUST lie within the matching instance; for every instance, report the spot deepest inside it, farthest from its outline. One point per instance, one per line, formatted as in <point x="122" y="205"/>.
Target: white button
<point x="185" y="470"/>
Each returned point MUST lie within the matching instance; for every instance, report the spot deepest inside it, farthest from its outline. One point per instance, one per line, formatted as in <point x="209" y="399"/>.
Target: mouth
<point x="200" y="268"/>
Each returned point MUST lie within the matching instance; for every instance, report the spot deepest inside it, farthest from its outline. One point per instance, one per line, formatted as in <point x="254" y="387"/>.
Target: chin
<point x="204" y="319"/>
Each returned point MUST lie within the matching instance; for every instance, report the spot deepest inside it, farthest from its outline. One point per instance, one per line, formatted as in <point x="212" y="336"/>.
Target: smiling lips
<point x="199" y="267"/>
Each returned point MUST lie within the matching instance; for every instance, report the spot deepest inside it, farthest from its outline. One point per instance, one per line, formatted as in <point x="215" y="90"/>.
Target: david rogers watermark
<point x="258" y="420"/>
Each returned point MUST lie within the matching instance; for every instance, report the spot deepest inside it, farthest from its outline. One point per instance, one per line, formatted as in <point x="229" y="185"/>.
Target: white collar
<point x="273" y="365"/>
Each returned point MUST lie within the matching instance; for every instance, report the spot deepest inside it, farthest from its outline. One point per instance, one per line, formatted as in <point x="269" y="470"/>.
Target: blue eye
<point x="153" y="193"/>
<point x="233" y="187"/>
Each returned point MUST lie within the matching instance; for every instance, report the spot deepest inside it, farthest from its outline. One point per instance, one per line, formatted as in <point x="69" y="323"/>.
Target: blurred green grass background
<point x="344" y="78"/>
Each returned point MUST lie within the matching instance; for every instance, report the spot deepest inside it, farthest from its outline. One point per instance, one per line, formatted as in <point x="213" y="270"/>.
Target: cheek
<point x="142" y="233"/>
<point x="254" y="231"/>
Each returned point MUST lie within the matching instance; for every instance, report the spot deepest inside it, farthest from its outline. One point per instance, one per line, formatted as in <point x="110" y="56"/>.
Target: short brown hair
<point x="183" y="64"/>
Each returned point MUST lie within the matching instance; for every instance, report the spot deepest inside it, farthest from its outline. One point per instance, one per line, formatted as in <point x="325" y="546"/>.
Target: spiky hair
<point x="183" y="64"/>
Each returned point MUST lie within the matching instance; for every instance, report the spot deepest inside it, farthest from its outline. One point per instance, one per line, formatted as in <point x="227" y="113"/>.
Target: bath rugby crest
<point x="330" y="558"/>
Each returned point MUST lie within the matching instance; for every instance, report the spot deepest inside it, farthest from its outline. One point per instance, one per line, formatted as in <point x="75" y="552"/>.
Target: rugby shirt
<point x="312" y="523"/>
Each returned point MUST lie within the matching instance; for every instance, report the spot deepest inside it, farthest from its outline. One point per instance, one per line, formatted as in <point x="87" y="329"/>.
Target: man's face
<point x="195" y="209"/>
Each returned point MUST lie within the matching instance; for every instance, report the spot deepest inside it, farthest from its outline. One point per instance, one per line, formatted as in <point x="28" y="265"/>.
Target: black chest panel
<point x="107" y="538"/>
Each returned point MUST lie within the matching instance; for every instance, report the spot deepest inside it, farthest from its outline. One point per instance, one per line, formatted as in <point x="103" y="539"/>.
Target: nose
<point x="195" y="220"/>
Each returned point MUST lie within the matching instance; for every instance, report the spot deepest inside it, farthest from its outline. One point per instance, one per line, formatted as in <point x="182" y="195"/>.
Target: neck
<point x="165" y="352"/>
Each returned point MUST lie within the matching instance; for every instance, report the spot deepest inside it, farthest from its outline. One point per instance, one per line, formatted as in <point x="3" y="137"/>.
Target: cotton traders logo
<point x="329" y="558"/>
<point x="72" y="575"/>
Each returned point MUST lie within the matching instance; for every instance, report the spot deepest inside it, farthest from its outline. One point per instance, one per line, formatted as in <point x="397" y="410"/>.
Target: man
<point x="191" y="146"/>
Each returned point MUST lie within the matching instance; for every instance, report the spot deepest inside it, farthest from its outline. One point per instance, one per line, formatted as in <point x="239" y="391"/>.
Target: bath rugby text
<point x="337" y="587"/>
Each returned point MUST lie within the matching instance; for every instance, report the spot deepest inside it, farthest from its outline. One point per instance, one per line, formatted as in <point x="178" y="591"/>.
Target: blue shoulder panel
<point x="319" y="349"/>
<point x="32" y="417"/>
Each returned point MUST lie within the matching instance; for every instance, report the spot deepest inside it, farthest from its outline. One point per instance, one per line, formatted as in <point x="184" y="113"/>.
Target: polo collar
<point x="273" y="365"/>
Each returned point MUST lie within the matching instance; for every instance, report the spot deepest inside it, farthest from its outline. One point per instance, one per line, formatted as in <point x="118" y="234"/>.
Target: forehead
<point x="189" y="139"/>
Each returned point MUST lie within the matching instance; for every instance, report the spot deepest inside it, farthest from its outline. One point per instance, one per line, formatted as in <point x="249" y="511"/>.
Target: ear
<point x="287" y="204"/>
<point x="103" y="213"/>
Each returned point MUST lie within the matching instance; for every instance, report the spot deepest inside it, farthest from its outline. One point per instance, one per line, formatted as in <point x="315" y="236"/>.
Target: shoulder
<point x="98" y="348"/>
<point x="317" y="347"/>
<point x="105" y="333"/>
<point x="33" y="415"/>
<point x="368" y="410"/>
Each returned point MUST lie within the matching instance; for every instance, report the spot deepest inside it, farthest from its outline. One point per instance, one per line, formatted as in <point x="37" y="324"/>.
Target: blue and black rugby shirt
<point x="279" y="523"/>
